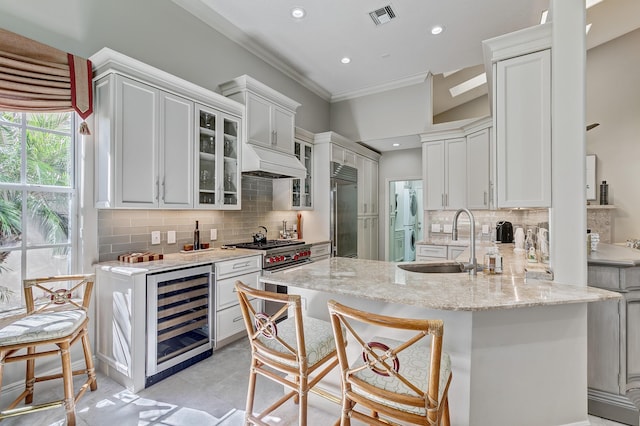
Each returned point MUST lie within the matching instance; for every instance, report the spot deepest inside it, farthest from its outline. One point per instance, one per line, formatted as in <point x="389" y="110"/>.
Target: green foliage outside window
<point x="36" y="168"/>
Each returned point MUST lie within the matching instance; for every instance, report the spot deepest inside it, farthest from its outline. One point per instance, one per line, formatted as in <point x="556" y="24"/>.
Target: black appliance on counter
<point x="504" y="232"/>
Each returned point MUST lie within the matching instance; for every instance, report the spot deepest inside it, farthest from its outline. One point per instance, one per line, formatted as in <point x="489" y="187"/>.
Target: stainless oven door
<point x="271" y="308"/>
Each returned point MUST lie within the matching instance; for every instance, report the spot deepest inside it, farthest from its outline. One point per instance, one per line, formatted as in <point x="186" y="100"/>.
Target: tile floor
<point x="210" y="393"/>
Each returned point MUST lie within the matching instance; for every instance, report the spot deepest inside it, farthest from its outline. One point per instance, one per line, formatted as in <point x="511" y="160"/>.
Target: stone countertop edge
<point x="176" y="260"/>
<point x="614" y="255"/>
<point x="384" y="281"/>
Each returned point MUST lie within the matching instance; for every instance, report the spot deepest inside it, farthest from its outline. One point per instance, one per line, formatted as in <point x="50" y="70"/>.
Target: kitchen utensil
<point x="504" y="232"/>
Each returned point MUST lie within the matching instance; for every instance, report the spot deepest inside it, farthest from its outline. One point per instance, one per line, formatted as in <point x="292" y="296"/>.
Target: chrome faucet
<point x="472" y="266"/>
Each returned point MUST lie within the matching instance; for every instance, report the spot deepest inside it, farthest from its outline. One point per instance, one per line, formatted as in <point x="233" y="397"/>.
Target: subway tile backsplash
<point x="127" y="231"/>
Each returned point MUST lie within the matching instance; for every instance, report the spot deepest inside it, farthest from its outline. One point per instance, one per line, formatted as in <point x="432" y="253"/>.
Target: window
<point x="37" y="199"/>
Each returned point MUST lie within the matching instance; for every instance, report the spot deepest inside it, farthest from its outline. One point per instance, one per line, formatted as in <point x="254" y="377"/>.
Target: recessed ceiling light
<point x="345" y="60"/>
<point x="298" y="12"/>
<point x="436" y="30"/>
<point x="396" y="144"/>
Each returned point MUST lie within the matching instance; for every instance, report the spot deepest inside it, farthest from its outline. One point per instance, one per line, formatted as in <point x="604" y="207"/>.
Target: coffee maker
<point x="504" y="232"/>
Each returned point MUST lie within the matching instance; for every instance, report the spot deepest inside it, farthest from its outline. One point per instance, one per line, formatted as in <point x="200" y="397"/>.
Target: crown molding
<point x="200" y="10"/>
<point x="372" y="90"/>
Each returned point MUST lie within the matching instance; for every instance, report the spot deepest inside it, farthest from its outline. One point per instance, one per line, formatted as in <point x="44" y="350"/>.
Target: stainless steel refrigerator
<point x="344" y="210"/>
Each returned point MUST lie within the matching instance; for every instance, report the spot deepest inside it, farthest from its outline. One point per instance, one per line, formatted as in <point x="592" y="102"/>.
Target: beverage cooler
<point x="179" y="320"/>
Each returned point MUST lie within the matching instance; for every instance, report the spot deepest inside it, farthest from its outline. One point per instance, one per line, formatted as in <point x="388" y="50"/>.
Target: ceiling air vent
<point x="382" y="15"/>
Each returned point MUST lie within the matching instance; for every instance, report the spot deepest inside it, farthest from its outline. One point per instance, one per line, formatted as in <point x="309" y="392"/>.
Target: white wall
<point x="613" y="100"/>
<point x="400" y="112"/>
<point x="157" y="32"/>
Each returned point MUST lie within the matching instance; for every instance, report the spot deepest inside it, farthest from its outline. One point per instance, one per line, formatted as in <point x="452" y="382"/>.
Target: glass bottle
<point x="196" y="238"/>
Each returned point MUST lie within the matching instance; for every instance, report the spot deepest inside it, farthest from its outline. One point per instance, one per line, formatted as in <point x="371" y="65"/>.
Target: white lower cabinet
<point x="229" y="324"/>
<point x="320" y="251"/>
<point x="425" y="252"/>
<point x="368" y="237"/>
<point x="429" y="252"/>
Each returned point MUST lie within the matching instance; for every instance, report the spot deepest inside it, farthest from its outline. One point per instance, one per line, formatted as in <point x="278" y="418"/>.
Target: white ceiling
<point x="395" y="54"/>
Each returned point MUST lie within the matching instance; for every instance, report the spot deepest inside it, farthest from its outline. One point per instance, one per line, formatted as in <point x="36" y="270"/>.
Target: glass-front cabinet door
<point x="230" y="164"/>
<point x="301" y="188"/>
<point x="218" y="167"/>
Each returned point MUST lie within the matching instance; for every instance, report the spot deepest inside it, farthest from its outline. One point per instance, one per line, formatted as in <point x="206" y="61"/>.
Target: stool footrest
<point x="31" y="409"/>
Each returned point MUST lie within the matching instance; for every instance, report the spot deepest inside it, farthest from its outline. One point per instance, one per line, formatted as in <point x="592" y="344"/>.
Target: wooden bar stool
<point x="299" y="348"/>
<point x="404" y="380"/>
<point x="54" y="317"/>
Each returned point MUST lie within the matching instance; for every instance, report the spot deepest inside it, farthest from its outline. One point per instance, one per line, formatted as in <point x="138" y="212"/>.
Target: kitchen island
<point x="518" y="346"/>
<point x="614" y="338"/>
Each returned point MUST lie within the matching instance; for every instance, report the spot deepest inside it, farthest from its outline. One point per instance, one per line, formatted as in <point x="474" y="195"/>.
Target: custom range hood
<point x="268" y="163"/>
<point x="267" y="111"/>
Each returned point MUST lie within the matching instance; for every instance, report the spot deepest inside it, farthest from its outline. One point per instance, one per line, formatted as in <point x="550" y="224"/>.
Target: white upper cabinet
<point x="136" y="108"/>
<point x="523" y="130"/>
<point x="176" y="151"/>
<point x="146" y="139"/>
<point x="519" y="72"/>
<point x="270" y="116"/>
<point x="457" y="166"/>
<point x="218" y="162"/>
<point x="343" y="156"/>
<point x="150" y="134"/>
<point x="367" y="185"/>
<point x="478" y="176"/>
<point x="445" y="168"/>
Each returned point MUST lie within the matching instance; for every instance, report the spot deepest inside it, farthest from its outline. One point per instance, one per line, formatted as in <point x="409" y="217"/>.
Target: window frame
<point x="26" y="188"/>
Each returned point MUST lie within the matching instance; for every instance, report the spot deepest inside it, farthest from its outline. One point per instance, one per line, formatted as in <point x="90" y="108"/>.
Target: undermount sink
<point x="433" y="268"/>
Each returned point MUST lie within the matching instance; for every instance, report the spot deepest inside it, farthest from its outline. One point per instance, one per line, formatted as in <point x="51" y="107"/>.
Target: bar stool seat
<point x="40" y="327"/>
<point x="318" y="339"/>
<point x="415" y="361"/>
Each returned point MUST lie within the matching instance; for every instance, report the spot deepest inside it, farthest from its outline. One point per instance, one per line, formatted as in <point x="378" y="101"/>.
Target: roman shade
<point x="37" y="77"/>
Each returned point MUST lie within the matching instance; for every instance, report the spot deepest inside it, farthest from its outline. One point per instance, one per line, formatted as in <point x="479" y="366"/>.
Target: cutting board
<point x="140" y="257"/>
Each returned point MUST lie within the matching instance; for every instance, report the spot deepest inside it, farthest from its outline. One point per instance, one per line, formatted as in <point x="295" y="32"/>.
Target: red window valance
<point x="37" y="77"/>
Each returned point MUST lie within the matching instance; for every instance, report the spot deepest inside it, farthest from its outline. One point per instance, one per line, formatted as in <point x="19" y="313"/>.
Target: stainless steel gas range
<point x="279" y="255"/>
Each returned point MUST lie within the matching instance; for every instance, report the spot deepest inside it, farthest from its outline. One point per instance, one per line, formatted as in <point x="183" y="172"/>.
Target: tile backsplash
<point x="519" y="218"/>
<point x="127" y="231"/>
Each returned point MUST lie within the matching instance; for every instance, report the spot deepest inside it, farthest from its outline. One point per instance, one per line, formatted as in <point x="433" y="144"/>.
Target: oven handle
<point x="284" y="267"/>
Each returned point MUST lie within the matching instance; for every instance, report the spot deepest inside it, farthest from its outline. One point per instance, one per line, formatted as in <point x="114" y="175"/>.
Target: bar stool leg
<point x="252" y="389"/>
<point x="67" y="377"/>
<point x="30" y="376"/>
<point x="88" y="359"/>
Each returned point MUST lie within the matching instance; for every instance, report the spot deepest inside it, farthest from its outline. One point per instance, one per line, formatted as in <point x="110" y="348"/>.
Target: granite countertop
<point x="176" y="260"/>
<point x="614" y="255"/>
<point x="385" y="281"/>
